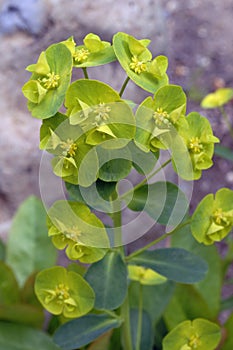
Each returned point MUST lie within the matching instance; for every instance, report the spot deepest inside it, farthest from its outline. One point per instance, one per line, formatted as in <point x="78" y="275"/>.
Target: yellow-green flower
<point x="213" y="217"/>
<point x="63" y="292"/>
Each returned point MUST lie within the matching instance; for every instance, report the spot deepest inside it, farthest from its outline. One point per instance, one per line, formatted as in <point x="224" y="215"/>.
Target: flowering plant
<point x="113" y="297"/>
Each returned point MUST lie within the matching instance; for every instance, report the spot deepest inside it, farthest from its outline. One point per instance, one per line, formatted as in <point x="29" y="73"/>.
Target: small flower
<point x="69" y="147"/>
<point x="102" y="113"/>
<point x="64" y="292"/>
<point x="81" y="55"/>
<point x="161" y="117"/>
<point x="199" y="334"/>
<point x="145" y="276"/>
<point x="51" y="81"/>
<point x="137" y="66"/>
<point x="197" y="135"/>
<point x="213" y="217"/>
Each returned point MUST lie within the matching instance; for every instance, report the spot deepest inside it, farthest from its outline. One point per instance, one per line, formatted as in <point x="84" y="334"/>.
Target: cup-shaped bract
<point x="50" y="79"/>
<point x="64" y="292"/>
<point x="213" y="217"/>
<point x="136" y="60"/>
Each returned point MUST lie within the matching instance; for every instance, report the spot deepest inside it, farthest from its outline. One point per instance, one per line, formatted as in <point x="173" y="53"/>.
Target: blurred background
<point x="196" y="35"/>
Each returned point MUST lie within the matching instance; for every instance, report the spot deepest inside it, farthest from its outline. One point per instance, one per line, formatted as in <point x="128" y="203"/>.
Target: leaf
<point x="213" y="279"/>
<point x="163" y="201"/>
<point x="23" y="314"/>
<point x="9" y="289"/>
<point x="218" y="98"/>
<point x="29" y="249"/>
<point x="18" y="337"/>
<point x="143" y="162"/>
<point x="115" y="164"/>
<point x="176" y="264"/>
<point x="108" y="278"/>
<point x="223" y="152"/>
<point x="147" y="335"/>
<point x="89" y="327"/>
<point x="155" y="298"/>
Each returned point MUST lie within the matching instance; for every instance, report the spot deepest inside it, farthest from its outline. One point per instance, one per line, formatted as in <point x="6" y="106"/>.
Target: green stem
<point x="124" y="86"/>
<point x="126" y="329"/>
<point x="85" y="73"/>
<point x="144" y="181"/>
<point x="226" y="119"/>
<point x="161" y="238"/>
<point x="116" y="217"/>
<point x="140" y="313"/>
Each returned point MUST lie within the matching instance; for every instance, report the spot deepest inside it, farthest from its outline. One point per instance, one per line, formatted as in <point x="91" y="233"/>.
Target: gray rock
<point x="26" y="15"/>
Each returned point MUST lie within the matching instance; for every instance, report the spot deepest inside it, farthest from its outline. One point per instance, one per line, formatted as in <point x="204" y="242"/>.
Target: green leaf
<point x="213" y="280"/>
<point x="155" y="298"/>
<point x="9" y="289"/>
<point x="89" y="328"/>
<point x="115" y="164"/>
<point x="18" y="337"/>
<point x="29" y="249"/>
<point x="23" y="314"/>
<point x="126" y="49"/>
<point x="59" y="60"/>
<point x="96" y="196"/>
<point x="180" y="308"/>
<point x="147" y="335"/>
<point x="223" y="152"/>
<point x="163" y="201"/>
<point x="218" y="98"/>
<point x="176" y="264"/>
<point x="199" y="334"/>
<point x="106" y="276"/>
<point x="143" y="162"/>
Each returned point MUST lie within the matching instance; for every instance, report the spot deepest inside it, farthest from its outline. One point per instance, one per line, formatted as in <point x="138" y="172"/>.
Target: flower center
<point x="161" y="117"/>
<point x="220" y="217"/>
<point x="195" y="145"/>
<point x="192" y="344"/>
<point x="81" y="55"/>
<point x="137" y="66"/>
<point x="69" y="147"/>
<point x="73" y="234"/>
<point x="102" y="113"/>
<point x="62" y="292"/>
<point x="51" y="81"/>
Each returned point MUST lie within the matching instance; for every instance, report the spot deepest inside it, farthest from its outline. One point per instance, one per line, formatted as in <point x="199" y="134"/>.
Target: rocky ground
<point x="195" y="35"/>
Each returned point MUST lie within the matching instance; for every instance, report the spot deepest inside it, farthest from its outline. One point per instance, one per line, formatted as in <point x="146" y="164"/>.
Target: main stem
<point x="125" y="308"/>
<point x="140" y="313"/>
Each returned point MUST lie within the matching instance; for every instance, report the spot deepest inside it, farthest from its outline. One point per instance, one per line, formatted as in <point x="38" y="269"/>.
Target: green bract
<point x="67" y="143"/>
<point x="136" y="60"/>
<point x="94" y="52"/>
<point x="72" y="223"/>
<point x="63" y="292"/>
<point x="199" y="140"/>
<point x="158" y="118"/>
<point x="100" y="112"/>
<point x="50" y="79"/>
<point x="198" y="334"/>
<point x="218" y="98"/>
<point x="213" y="217"/>
<point x="145" y="276"/>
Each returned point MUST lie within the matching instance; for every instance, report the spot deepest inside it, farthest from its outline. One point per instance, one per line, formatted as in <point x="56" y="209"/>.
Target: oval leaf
<point x="15" y="337"/>
<point x="108" y="278"/>
<point x="176" y="264"/>
<point x="29" y="249"/>
<point x="89" y="328"/>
